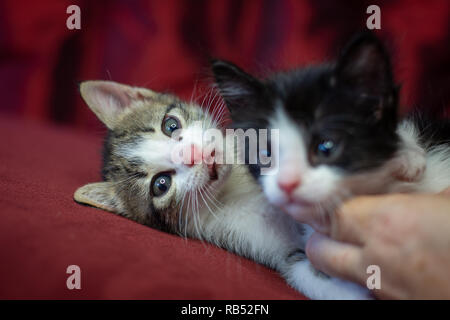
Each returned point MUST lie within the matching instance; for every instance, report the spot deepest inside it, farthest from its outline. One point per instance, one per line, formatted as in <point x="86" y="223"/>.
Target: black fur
<point x="352" y="101"/>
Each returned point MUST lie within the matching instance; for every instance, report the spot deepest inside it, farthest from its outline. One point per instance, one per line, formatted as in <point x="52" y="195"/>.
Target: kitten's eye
<point x="326" y="148"/>
<point x="169" y="125"/>
<point x="161" y="184"/>
<point x="265" y="153"/>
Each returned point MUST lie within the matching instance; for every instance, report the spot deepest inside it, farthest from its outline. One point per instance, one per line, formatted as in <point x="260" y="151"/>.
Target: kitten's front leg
<point x="409" y="164"/>
<point x="302" y="276"/>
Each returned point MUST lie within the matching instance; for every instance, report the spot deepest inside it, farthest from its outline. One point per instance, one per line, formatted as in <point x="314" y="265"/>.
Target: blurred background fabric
<point x="50" y="140"/>
<point x="166" y="46"/>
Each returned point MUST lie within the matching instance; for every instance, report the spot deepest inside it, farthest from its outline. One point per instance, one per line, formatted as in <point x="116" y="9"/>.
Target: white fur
<point x="410" y="156"/>
<point x="437" y="173"/>
<point x="159" y="152"/>
<point x="434" y="161"/>
<point x="427" y="169"/>
<point x="316" y="183"/>
<point x="304" y="278"/>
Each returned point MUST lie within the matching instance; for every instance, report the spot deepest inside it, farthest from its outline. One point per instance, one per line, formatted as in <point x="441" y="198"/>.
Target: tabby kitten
<point x="219" y="203"/>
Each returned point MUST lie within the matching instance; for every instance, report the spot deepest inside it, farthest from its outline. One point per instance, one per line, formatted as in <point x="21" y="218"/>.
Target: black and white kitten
<point x="339" y="132"/>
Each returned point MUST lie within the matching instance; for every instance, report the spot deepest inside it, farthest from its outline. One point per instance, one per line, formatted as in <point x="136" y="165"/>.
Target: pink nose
<point x="192" y="154"/>
<point x="288" y="185"/>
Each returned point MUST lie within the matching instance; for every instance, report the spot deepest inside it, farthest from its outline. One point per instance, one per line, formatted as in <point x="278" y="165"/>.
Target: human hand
<point x="407" y="236"/>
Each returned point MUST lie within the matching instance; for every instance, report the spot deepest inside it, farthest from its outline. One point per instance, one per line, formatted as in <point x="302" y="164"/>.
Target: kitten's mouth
<point x="212" y="171"/>
<point x="299" y="203"/>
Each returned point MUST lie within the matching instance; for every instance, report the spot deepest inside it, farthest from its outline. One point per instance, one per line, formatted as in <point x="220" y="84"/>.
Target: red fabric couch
<point x="50" y="141"/>
<point x="43" y="231"/>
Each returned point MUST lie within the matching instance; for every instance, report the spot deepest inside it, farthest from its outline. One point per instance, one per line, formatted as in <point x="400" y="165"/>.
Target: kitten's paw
<point x="303" y="277"/>
<point x="410" y="164"/>
<point x="345" y="290"/>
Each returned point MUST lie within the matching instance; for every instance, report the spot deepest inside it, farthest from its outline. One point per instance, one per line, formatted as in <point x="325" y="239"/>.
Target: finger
<point x="351" y="222"/>
<point x="335" y="258"/>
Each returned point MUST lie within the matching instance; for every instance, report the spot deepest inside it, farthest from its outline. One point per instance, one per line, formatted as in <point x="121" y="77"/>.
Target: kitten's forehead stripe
<point x="180" y="106"/>
<point x="146" y="130"/>
<point x="172" y="106"/>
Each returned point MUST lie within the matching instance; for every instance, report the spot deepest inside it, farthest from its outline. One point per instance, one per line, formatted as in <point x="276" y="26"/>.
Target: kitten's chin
<point x="308" y="214"/>
<point x="299" y="210"/>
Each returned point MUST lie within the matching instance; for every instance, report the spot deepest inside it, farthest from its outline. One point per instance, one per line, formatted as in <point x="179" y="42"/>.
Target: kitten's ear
<point x="364" y="66"/>
<point x="100" y="195"/>
<point x="108" y="99"/>
<point x="237" y="88"/>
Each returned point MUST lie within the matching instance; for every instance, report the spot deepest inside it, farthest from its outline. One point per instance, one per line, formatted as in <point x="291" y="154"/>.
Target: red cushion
<point x="43" y="231"/>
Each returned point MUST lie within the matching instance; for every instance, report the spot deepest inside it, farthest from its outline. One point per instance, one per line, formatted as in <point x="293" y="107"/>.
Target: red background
<point x="165" y="45"/>
<point x="50" y="141"/>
